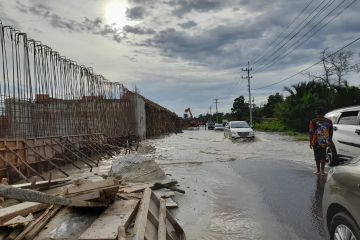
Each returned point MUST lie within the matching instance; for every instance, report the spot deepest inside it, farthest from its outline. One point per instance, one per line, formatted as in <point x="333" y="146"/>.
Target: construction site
<point x="59" y="120"/>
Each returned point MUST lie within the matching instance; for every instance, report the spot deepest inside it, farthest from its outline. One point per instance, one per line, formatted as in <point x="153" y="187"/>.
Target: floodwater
<point x="260" y="189"/>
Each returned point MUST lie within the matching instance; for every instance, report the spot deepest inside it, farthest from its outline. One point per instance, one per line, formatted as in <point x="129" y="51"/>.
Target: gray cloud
<point x="217" y="47"/>
<point x="237" y="31"/>
<point x="7" y="20"/>
<point x="142" y="1"/>
<point x="135" y="13"/>
<point x="44" y="11"/>
<point x="138" y="30"/>
<point x="188" y="24"/>
<point x="183" y="7"/>
<point x="95" y="26"/>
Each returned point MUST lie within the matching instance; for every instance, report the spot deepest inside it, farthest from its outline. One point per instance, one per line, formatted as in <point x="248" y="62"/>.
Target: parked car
<point x="346" y="136"/>
<point x="341" y="208"/>
<point x="238" y="129"/>
<point x="211" y="125"/>
<point x="219" y="127"/>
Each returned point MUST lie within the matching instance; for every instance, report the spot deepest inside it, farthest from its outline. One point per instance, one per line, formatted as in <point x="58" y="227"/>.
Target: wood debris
<point x="19" y="220"/>
<point x="130" y="212"/>
<point x="21" y="209"/>
<point x="154" y="221"/>
<point x="119" y="214"/>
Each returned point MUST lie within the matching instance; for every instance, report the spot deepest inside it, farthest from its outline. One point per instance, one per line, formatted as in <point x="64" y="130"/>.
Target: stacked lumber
<point x="153" y="220"/>
<point x="125" y="212"/>
<point x="165" y="190"/>
<point x="38" y="208"/>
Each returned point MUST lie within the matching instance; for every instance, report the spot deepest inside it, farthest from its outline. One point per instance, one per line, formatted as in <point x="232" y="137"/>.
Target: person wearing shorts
<point x="320" y="132"/>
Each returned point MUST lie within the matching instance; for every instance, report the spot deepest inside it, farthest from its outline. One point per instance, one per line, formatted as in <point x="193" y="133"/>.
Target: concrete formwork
<point x="20" y="157"/>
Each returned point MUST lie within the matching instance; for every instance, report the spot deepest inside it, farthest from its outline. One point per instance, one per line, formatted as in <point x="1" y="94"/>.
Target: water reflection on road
<point x="261" y="189"/>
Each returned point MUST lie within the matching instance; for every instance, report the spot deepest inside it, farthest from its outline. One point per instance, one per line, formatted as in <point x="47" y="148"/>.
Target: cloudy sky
<point x="185" y="53"/>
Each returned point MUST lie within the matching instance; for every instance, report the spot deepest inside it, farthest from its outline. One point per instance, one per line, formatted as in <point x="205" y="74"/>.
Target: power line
<point x="293" y="31"/>
<point x="238" y="84"/>
<point x="299" y="42"/>
<point x="280" y="35"/>
<point x="302" y="71"/>
<point x="318" y="14"/>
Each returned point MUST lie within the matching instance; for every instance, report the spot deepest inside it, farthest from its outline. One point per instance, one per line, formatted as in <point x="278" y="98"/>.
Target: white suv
<point x="346" y="136"/>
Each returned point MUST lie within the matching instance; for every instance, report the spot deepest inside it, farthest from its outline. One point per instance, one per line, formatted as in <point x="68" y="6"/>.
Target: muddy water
<point x="211" y="146"/>
<point x="261" y="189"/>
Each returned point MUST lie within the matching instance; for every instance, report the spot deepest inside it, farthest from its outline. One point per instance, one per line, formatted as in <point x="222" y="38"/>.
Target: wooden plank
<point x="151" y="232"/>
<point x="116" y="216"/>
<point x="134" y="189"/>
<point x="14" y="233"/>
<point x="88" y="196"/>
<point x="128" y="196"/>
<point x="153" y="186"/>
<point x="122" y="234"/>
<point x="15" y="168"/>
<point x="170" y="203"/>
<point x="19" y="220"/>
<point x="175" y="225"/>
<point x="35" y="227"/>
<point x="86" y="186"/>
<point x="164" y="194"/>
<point x="21" y="209"/>
<point x="75" y="149"/>
<point x="106" y="193"/>
<point x="41" y="183"/>
<point x="2" y="199"/>
<point x="154" y="208"/>
<point x="142" y="216"/>
<point x="36" y="196"/>
<point x="162" y="220"/>
<point x="25" y="163"/>
<point x="78" y="157"/>
<point x="48" y="160"/>
<point x="63" y="155"/>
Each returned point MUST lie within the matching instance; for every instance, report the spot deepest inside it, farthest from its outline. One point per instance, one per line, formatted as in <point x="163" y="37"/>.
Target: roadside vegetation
<point x="275" y="125"/>
<point x="290" y="114"/>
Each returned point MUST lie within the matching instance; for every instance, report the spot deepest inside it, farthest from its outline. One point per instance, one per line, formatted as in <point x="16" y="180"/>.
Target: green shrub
<point x="273" y="125"/>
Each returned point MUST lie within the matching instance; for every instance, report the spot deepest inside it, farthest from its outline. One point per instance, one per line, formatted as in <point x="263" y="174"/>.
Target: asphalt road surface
<point x="261" y="189"/>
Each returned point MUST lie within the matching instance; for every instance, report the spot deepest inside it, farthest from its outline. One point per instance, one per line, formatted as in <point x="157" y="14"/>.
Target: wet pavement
<point x="261" y="189"/>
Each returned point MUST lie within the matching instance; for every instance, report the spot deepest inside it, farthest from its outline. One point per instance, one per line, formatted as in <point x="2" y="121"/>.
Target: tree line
<point x="327" y="89"/>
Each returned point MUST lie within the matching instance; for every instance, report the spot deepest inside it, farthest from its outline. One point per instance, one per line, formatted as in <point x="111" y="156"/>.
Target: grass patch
<point x="278" y="127"/>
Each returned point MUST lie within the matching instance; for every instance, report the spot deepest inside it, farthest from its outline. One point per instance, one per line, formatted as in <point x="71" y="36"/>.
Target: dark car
<point x="341" y="201"/>
<point x="211" y="125"/>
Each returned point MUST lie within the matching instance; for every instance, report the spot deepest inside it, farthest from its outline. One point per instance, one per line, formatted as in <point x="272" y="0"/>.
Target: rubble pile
<point x="92" y="208"/>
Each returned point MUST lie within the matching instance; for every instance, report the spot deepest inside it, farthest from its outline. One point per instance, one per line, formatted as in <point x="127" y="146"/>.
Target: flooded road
<point x="261" y="189"/>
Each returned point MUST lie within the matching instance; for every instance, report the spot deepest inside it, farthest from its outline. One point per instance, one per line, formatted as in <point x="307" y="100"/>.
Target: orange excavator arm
<point x="189" y="111"/>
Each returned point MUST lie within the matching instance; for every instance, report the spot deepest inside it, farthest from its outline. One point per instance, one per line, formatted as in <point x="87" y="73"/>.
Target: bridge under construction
<point x="55" y="111"/>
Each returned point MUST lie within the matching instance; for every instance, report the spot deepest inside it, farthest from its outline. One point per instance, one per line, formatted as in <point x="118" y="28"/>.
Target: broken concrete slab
<point x="136" y="168"/>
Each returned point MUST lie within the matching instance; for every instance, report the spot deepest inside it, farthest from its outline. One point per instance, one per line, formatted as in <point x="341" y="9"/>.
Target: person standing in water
<point x="320" y="132"/>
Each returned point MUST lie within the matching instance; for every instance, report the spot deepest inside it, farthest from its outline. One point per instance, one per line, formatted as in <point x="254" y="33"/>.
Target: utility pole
<point x="216" y="100"/>
<point x="248" y="77"/>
